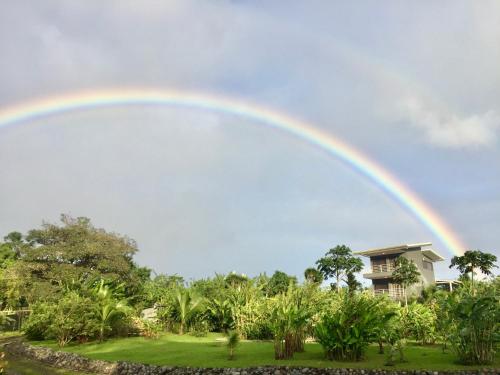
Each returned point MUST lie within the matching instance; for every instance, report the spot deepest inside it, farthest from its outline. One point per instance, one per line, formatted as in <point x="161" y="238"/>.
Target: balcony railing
<point x="377" y="268"/>
<point x="393" y="293"/>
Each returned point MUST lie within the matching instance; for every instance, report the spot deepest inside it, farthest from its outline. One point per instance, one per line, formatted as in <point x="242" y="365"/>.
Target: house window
<point x="427" y="265"/>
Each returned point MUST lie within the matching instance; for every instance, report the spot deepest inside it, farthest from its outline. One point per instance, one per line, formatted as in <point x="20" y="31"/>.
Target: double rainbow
<point x="261" y="115"/>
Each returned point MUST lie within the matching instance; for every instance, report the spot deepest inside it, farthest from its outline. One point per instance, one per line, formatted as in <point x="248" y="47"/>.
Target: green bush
<point x="35" y="326"/>
<point x="420" y="322"/>
<point x="475" y="328"/>
<point x="346" y="332"/>
<point x="72" y="317"/>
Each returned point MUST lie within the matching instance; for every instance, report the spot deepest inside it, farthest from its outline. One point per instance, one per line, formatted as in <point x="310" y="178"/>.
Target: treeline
<point x="80" y="283"/>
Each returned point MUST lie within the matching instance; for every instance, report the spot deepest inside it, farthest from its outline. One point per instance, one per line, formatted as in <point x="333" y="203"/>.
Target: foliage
<point x="233" y="339"/>
<point x="186" y="305"/>
<point x="352" y="283"/>
<point x="405" y="274"/>
<point x="73" y="251"/>
<point x="419" y="322"/>
<point x="150" y="329"/>
<point x="337" y="263"/>
<point x="72" y="317"/>
<point x="289" y="317"/>
<point x="313" y="275"/>
<point x="346" y="332"/>
<point x="279" y="282"/>
<point x="474" y="259"/>
<point x="108" y="307"/>
<point x="476" y="328"/>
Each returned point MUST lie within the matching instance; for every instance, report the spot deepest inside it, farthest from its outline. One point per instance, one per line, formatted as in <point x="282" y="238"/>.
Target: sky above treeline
<point x="414" y="86"/>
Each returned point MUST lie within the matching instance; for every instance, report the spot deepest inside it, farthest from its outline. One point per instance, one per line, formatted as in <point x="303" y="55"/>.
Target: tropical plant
<point x="338" y="263"/>
<point x="219" y="311"/>
<point x="405" y="274"/>
<point x="289" y="317"/>
<point x="108" y="306"/>
<point x="233" y="339"/>
<point x="419" y="321"/>
<point x="148" y="328"/>
<point x="186" y="305"/>
<point x="471" y="260"/>
<point x="346" y="332"/>
<point x="475" y="328"/>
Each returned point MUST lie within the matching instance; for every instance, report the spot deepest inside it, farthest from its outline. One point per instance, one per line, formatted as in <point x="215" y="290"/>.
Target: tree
<point x="186" y="306"/>
<point x="352" y="283"/>
<point x="474" y="259"/>
<point x="10" y="249"/>
<point x="108" y="306"/>
<point x="405" y="274"/>
<point x="75" y="250"/>
<point x="313" y="275"/>
<point x="279" y="282"/>
<point x="337" y="263"/>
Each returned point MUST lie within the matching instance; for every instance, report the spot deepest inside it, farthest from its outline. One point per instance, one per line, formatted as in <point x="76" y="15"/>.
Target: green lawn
<point x="175" y="350"/>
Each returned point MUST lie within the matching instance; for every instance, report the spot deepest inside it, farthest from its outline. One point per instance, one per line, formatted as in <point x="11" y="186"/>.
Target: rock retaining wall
<point x="78" y="363"/>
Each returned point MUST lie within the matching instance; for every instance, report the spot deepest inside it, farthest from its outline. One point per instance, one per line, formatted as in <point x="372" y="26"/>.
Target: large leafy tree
<point x="474" y="259"/>
<point x="75" y="250"/>
<point x="279" y="282"/>
<point x="406" y="274"/>
<point x="338" y="263"/>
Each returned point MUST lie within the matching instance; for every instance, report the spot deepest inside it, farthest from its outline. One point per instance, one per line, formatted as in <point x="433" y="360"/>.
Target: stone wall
<point x="78" y="363"/>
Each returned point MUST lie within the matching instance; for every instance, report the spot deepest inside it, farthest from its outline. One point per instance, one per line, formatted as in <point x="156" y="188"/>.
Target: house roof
<point x="399" y="249"/>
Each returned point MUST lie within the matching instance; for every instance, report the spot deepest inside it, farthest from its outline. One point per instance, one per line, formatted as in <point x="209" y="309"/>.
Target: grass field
<point x="21" y="366"/>
<point x="175" y="350"/>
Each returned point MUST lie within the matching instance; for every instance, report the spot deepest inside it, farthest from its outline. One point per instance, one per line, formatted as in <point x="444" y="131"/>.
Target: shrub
<point x="73" y="317"/>
<point x="420" y="322"/>
<point x="475" y="328"/>
<point x="147" y="328"/>
<point x="345" y="333"/>
<point x="69" y="318"/>
<point x="35" y="326"/>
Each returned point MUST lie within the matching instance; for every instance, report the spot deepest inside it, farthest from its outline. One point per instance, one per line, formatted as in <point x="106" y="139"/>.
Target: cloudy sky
<point x="414" y="86"/>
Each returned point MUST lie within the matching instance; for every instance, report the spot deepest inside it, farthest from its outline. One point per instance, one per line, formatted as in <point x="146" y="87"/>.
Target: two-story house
<point x="383" y="262"/>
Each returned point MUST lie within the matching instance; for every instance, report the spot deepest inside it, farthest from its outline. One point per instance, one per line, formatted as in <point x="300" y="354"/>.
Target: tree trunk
<point x="380" y="347"/>
<point x="472" y="282"/>
<point x="406" y="297"/>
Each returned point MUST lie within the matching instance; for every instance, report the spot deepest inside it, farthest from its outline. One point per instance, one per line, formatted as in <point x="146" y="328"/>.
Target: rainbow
<point x="357" y="160"/>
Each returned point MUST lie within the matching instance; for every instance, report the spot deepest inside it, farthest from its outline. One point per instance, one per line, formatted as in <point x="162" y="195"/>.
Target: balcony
<point x="377" y="268"/>
<point x="395" y="293"/>
<point x="380" y="271"/>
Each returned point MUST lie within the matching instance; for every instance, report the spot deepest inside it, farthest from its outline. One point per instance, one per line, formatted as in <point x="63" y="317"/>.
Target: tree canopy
<point x="338" y="263"/>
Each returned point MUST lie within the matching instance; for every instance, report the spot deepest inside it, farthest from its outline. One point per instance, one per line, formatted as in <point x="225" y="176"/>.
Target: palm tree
<point x="108" y="306"/>
<point x="186" y="304"/>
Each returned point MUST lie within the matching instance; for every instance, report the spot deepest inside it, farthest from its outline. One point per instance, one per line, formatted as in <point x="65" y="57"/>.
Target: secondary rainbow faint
<point x="32" y="110"/>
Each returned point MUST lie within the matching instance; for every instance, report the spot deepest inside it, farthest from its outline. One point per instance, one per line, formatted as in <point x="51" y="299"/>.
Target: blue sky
<point x="414" y="86"/>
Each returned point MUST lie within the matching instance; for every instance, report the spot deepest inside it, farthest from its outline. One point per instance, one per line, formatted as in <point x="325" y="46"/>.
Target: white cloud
<point x="447" y="129"/>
